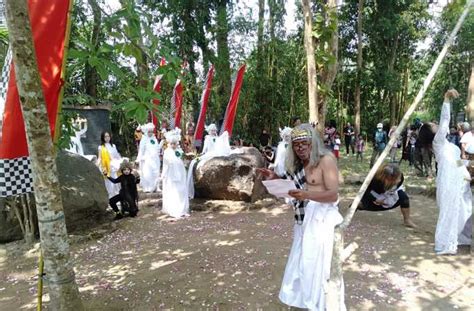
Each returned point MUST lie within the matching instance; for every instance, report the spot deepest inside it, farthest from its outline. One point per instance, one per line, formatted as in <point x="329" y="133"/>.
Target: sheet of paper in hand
<point x="279" y="187"/>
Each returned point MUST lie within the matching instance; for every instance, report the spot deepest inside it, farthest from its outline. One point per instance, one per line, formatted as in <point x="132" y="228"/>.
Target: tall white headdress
<point x="211" y="127"/>
<point x="285" y="134"/>
<point x="148" y="127"/>
<point x="173" y="136"/>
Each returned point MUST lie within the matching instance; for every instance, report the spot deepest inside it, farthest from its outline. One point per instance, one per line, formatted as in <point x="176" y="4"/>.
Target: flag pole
<point x="67" y="35"/>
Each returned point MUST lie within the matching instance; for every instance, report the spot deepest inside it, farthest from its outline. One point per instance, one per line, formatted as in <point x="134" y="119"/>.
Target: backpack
<point x="380" y="138"/>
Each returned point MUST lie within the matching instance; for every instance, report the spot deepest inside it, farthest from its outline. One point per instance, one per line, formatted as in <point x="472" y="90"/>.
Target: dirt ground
<point x="231" y="256"/>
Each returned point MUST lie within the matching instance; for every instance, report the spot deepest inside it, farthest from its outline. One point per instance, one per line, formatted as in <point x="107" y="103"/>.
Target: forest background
<point x="116" y="48"/>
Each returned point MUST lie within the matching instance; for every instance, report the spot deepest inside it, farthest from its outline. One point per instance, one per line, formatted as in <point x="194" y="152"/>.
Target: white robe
<point x="453" y="193"/>
<point x="149" y="159"/>
<point x="175" y="190"/>
<point x="115" y="160"/>
<point x="209" y="142"/>
<point x="279" y="166"/>
<point x="309" y="264"/>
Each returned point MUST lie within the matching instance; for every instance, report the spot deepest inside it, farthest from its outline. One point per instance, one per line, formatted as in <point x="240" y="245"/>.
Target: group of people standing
<point x="118" y="170"/>
<point x="177" y="183"/>
<point x="353" y="142"/>
<point x="311" y="162"/>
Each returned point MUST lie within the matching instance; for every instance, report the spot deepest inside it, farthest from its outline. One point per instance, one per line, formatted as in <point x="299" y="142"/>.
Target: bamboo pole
<point x="39" y="295"/>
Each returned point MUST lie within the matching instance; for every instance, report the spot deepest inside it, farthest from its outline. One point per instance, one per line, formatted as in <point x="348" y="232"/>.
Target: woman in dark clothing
<point x="386" y="192"/>
<point x="128" y="195"/>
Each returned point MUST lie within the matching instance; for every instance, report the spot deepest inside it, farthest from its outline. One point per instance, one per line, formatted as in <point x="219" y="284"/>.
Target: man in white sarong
<point x="175" y="190"/>
<point x="313" y="168"/>
<point x="453" y="193"/>
<point x="149" y="159"/>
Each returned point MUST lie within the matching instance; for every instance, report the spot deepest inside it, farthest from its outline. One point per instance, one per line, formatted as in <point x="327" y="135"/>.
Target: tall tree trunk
<point x="329" y="73"/>
<point x="91" y="77"/>
<point x="223" y="75"/>
<point x="360" y="12"/>
<point x="261" y="23"/>
<point x="54" y="241"/>
<point x="310" y="62"/>
<point x="202" y="20"/>
<point x="393" y="108"/>
<point x="470" y="97"/>
<point x="143" y="71"/>
<point x="259" y="97"/>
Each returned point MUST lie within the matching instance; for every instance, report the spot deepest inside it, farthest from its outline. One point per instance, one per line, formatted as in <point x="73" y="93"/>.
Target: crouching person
<point x="128" y="195"/>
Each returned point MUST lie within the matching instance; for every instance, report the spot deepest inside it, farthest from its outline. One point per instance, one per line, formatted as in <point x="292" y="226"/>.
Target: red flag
<point x="176" y="105"/>
<point x="156" y="101"/>
<point x="231" y="110"/>
<point x="198" y="134"/>
<point x="48" y="20"/>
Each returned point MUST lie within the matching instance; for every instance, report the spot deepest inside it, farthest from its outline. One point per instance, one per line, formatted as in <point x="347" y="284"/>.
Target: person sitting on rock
<point x="128" y="195"/>
<point x="386" y="192"/>
<point x="210" y="139"/>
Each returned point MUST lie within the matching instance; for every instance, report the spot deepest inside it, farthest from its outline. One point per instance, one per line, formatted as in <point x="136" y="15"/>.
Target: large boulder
<point x="83" y="191"/>
<point x="230" y="178"/>
<point x="83" y="194"/>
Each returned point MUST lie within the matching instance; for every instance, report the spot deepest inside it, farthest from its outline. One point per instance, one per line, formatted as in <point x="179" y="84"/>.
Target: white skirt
<point x="150" y="174"/>
<point x="309" y="264"/>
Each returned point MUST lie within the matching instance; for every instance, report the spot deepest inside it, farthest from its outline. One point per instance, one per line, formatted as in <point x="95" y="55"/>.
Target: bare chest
<point x="314" y="177"/>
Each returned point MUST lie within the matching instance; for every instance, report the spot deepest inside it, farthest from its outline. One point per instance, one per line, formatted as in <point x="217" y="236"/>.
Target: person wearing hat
<point x="128" y="194"/>
<point x="149" y="159"/>
<point x="313" y="169"/>
<point x="175" y="189"/>
<point x="380" y="141"/>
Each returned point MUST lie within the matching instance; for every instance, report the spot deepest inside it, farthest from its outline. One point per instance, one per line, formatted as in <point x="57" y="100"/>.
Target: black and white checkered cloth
<point x="300" y="182"/>
<point x="15" y="176"/>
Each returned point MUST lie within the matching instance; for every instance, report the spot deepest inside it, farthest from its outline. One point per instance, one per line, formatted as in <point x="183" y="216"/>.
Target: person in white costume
<point x="214" y="146"/>
<point x="149" y="159"/>
<point x="453" y="193"/>
<point x="210" y="139"/>
<point x="175" y="189"/>
<point x="314" y="171"/>
<point x="109" y="162"/>
<point x="76" y="145"/>
<point x="279" y="165"/>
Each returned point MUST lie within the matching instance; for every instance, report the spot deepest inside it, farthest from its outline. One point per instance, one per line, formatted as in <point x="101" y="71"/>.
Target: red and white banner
<point x="48" y="20"/>
<point x="156" y="101"/>
<point x="199" y="133"/>
<point x="231" y="110"/>
<point x="176" y="105"/>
